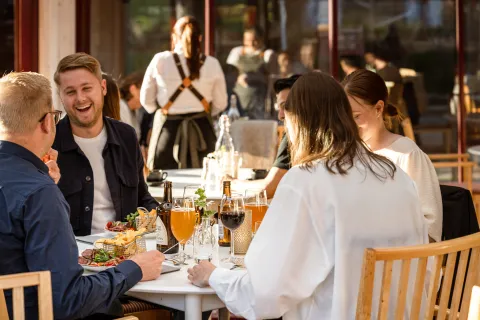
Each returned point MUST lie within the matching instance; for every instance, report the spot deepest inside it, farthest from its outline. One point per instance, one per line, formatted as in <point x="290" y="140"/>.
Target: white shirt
<point x="408" y="156"/>
<point x="103" y="210"/>
<point x="268" y="57"/>
<point x="129" y="117"/>
<point x="305" y="261"/>
<point x="162" y="79"/>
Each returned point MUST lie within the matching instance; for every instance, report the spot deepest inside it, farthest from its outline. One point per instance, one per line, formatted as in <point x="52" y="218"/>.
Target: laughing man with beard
<point x="99" y="158"/>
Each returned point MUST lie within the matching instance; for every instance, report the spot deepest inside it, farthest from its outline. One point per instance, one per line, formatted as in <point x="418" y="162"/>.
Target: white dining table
<point x="174" y="290"/>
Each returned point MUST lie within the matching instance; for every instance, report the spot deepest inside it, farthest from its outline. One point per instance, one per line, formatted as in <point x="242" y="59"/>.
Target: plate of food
<point x="97" y="260"/>
<point x="140" y="219"/>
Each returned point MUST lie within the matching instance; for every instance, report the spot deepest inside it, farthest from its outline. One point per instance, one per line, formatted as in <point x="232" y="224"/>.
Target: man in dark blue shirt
<point x="35" y="232"/>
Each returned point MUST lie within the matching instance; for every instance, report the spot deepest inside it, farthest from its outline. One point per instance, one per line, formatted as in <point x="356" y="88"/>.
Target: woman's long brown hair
<point x="326" y="130"/>
<point x="188" y="30"/>
<point x="111" y="101"/>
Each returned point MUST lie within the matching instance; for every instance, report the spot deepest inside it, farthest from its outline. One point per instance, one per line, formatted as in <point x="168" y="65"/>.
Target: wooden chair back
<point x="466" y="250"/>
<point x="474" y="310"/>
<point x="454" y="160"/>
<point x="17" y="282"/>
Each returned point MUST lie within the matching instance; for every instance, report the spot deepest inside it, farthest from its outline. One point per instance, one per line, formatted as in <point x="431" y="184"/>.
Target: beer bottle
<point x="225" y="241"/>
<point x="164" y="235"/>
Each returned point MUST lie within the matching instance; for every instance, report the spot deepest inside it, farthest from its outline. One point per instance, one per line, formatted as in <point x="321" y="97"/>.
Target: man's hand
<point x="242" y="80"/>
<point x="151" y="264"/>
<point x="50" y="159"/>
<point x="200" y="274"/>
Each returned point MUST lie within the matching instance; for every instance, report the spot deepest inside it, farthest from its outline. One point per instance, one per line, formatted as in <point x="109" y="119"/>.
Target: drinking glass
<point x="256" y="200"/>
<point x="232" y="215"/>
<point x="255" y="227"/>
<point x="183" y="219"/>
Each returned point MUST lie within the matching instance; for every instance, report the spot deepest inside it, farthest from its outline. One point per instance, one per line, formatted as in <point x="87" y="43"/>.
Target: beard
<point x="86" y="124"/>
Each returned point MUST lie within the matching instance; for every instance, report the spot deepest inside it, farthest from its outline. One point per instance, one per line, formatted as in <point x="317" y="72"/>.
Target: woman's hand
<point x="200" y="274"/>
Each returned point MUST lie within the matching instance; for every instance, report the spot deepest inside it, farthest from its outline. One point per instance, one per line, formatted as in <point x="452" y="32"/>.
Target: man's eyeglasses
<point x="57" y="114"/>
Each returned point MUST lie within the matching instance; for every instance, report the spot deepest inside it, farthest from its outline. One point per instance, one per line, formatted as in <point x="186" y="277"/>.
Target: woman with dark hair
<point x="338" y="199"/>
<point x="184" y="88"/>
<point x="111" y="101"/>
<point x="373" y="114"/>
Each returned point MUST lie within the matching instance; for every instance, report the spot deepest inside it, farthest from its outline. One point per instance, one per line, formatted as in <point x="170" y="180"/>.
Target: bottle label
<point x="220" y="229"/>
<point x="161" y="233"/>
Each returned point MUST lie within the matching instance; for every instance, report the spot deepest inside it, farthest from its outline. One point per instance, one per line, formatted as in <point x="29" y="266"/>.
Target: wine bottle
<point x="166" y="242"/>
<point x="225" y="241"/>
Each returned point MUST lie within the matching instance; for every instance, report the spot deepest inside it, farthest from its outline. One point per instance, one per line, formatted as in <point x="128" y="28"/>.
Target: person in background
<point x="111" y="101"/>
<point x="99" y="158"/>
<point x="373" y="113"/>
<point x="35" y="231"/>
<point x="131" y="111"/>
<point x="281" y="165"/>
<point x="254" y="64"/>
<point x="385" y="69"/>
<point x="189" y="92"/>
<point x="338" y="199"/>
<point x="369" y="56"/>
<point x="231" y="75"/>
<point x="350" y="64"/>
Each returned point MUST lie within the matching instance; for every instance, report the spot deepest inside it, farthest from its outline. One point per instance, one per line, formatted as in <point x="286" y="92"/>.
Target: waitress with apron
<point x="185" y="89"/>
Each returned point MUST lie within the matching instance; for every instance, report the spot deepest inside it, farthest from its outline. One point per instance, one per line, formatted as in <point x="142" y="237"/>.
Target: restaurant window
<point x="7" y="37"/>
<point x="148" y="24"/>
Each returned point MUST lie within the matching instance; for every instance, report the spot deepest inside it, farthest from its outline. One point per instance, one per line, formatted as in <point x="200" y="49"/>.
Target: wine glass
<point x="182" y="220"/>
<point x="232" y="215"/>
<point x="256" y="200"/>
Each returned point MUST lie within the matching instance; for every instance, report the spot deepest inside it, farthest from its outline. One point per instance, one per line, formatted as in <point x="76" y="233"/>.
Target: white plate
<point x="95" y="269"/>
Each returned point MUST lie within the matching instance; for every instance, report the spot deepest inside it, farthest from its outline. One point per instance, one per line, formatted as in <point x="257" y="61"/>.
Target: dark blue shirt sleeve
<point x="50" y="245"/>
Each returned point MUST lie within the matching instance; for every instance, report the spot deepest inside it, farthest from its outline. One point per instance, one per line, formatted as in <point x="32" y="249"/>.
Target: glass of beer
<point x="256" y="200"/>
<point x="183" y="219"/>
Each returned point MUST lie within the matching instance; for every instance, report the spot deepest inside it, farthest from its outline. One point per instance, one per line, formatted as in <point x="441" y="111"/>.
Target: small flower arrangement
<point x="202" y="204"/>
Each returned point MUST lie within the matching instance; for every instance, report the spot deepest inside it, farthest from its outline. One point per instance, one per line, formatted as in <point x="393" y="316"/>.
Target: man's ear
<point x="103" y="83"/>
<point x="47" y="124"/>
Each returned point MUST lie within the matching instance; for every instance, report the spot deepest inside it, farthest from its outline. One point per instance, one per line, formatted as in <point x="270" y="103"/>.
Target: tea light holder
<point x="242" y="236"/>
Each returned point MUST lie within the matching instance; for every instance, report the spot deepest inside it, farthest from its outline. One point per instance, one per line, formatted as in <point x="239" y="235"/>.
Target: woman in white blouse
<point x="368" y="97"/>
<point x="338" y="199"/>
<point x="186" y="89"/>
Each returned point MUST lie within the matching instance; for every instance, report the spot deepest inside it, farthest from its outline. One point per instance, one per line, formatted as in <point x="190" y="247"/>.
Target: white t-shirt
<point x="103" y="210"/>
<point x="305" y="260"/>
<point x="410" y="158"/>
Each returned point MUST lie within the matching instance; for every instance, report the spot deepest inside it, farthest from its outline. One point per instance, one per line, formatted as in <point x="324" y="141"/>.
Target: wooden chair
<point x="451" y="250"/>
<point x="17" y="282"/>
<point x="454" y="160"/>
<point x="474" y="310"/>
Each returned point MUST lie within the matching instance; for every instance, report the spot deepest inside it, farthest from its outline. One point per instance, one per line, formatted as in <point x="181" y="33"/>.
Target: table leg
<point x="193" y="307"/>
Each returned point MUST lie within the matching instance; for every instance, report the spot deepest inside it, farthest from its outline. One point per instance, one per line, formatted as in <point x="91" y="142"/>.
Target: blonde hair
<point x="25" y="97"/>
<point x="79" y="60"/>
